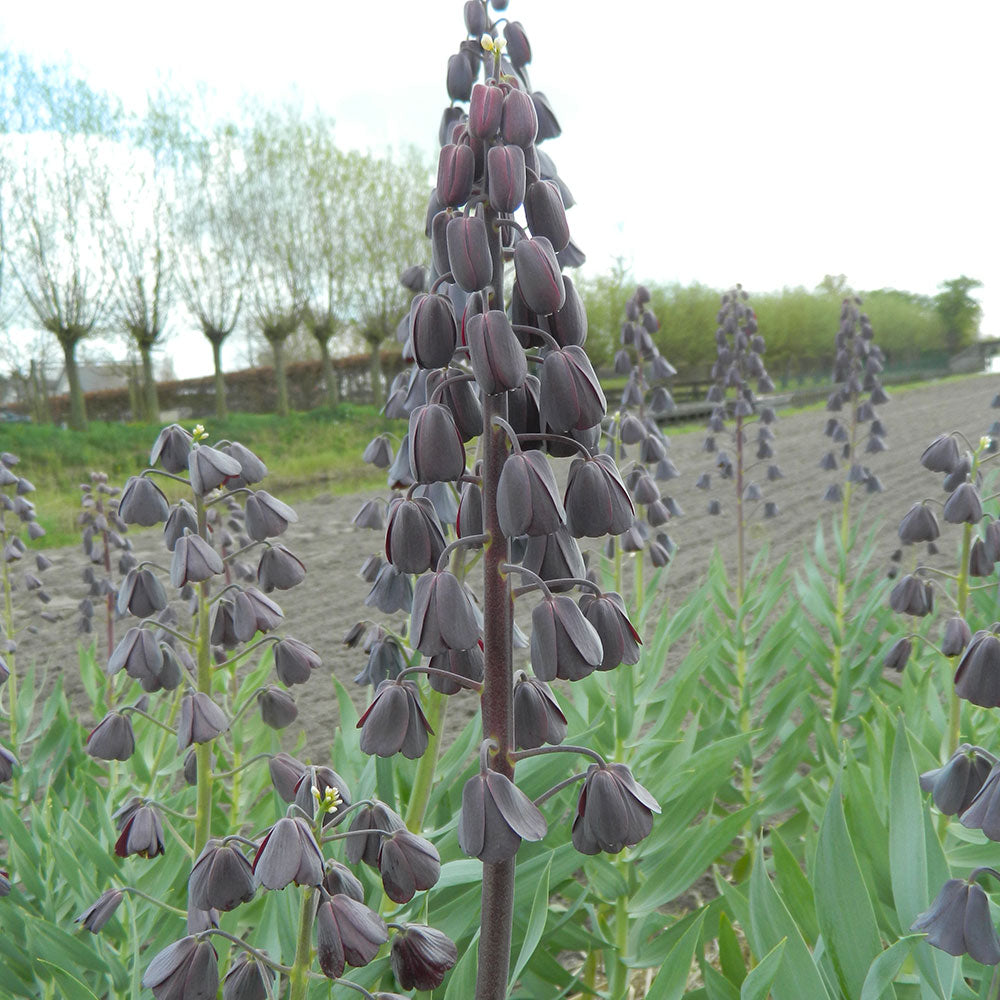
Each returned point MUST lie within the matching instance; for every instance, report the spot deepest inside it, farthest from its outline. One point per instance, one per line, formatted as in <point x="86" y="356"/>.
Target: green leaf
<point x="769" y="923"/>
<point x="843" y="907"/>
<point x="536" y="924"/>
<point x="730" y="952"/>
<point x="69" y="986"/>
<point x="671" y="980"/>
<point x="885" y="967"/>
<point x="758" y="983"/>
<point x="462" y="980"/>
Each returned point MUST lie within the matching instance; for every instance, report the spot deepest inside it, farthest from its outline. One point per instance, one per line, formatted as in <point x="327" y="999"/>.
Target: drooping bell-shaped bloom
<point x="436" y="451"/>
<point x="563" y="643"/>
<point x="495" y="353"/>
<point x="210" y="468"/>
<point x="221" y="878"/>
<point x="347" y="933"/>
<point x="570" y="394"/>
<point x="407" y="864"/>
<point x="395" y="722"/>
<point x="194" y="561"/>
<point x="267" y="517"/>
<point x="959" y="922"/>
<point x="614" y="811"/>
<point x="421" y="956"/>
<point x="442" y="617"/>
<point x="538" y="275"/>
<point x="619" y="638"/>
<point x="469" y="256"/>
<point x="199" y="721"/>
<point x="977" y="677"/>
<point x="279" y="569"/>
<point x="496" y="816"/>
<point x="955" y="785"/>
<point x="171" y="449"/>
<point x="185" y="970"/>
<point x="413" y="538"/>
<point x="528" y="501"/>
<point x="538" y="719"/>
<point x="288" y="853"/>
<point x="142" y="502"/>
<point x="597" y="502"/>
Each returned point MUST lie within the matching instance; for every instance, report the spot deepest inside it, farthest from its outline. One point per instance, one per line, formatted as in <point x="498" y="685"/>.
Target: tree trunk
<point x="280" y="378"/>
<point x="38" y="394"/>
<point x="77" y="405"/>
<point x="375" y="375"/>
<point x="220" y="379"/>
<point x="329" y="375"/>
<point x="151" y="401"/>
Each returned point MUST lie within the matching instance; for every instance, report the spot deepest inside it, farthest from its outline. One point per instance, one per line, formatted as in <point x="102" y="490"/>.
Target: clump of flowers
<point x="514" y="376"/>
<point x="857" y="391"/>
<point x="207" y="710"/>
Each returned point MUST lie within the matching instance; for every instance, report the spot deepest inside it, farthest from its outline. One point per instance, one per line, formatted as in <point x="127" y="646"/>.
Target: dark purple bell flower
<point x="391" y="591"/>
<point x="436" y="450"/>
<point x="277" y="707"/>
<point x="918" y="525"/>
<point x="191" y="767"/>
<point x="96" y="916"/>
<point x="519" y="53"/>
<point x="496" y="355"/>
<point x="980" y="564"/>
<point x="912" y="596"/>
<point x="957" y="636"/>
<point x="506" y="177"/>
<point x="959" y="922"/>
<point x="347" y="933"/>
<point x="963" y="506"/>
<point x="171" y="449"/>
<point x="518" y="119"/>
<point x="370" y="514"/>
<point x="597" y="502"/>
<point x="141" y="831"/>
<point x="286" y="772"/>
<point x="469" y="252"/>
<point x="407" y="864"/>
<point x="941" y="455"/>
<point x="496" y="816"/>
<point x="983" y="813"/>
<point x="548" y="124"/>
<point x="279" y="569"/>
<point x="200" y="720"/>
<point x="538" y="718"/>
<point x="252" y="469"/>
<point x="267" y="517"/>
<point x="141" y="594"/>
<point x="977" y="677"/>
<point x="528" y="501"/>
<point x="569" y="324"/>
<point x="221" y="878"/>
<point x="955" y="785"/>
<point x="395" y="722"/>
<point x="288" y="853"/>
<point x="554" y="557"/>
<point x="400" y="476"/>
<point x="619" y="638"/>
<point x="538" y="275"/>
<point x="181" y="520"/>
<point x="139" y="653"/>
<point x="329" y="785"/>
<point x="142" y="502"/>
<point x="462" y="398"/>
<point x="385" y="660"/>
<point x="899" y="654"/>
<point x="185" y="970"/>
<point x="378" y="452"/>
<point x="470" y="511"/>
<point x="112" y="738"/>
<point x="245" y="979"/>
<point x="194" y="560"/>
<point x="467" y="663"/>
<point x="338" y="879"/>
<point x="253" y="612"/>
<point x="614" y="811"/>
<point x="375" y="817"/>
<point x="223" y="625"/>
<point x="570" y="394"/>
<point x="413" y="538"/>
<point x="421" y="956"/>
<point x="563" y="643"/>
<point x="546" y="214"/>
<point x="210" y="468"/>
<point x="433" y="329"/>
<point x="442" y="616"/>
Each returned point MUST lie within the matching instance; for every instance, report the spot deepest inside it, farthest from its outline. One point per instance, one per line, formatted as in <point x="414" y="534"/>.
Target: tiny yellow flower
<point x="487" y="42"/>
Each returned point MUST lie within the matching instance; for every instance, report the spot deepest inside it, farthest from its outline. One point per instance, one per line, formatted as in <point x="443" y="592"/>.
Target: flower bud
<point x="569" y="324"/>
<point x="519" y="119"/>
<point x="460" y="77"/>
<point x="485" y="109"/>
<point x="455" y="174"/>
<point x="469" y="257"/>
<point x="538" y="275"/>
<point x="96" y="916"/>
<point x="518" y="48"/>
<point x="277" y="708"/>
<point x="433" y="330"/>
<point x="545" y="213"/>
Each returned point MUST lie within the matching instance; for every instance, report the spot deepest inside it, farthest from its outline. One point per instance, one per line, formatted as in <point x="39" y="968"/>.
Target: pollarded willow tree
<point x="207" y="240"/>
<point x="59" y="196"/>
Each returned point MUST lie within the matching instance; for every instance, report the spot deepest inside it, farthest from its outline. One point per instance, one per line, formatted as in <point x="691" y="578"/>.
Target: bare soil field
<point x="331" y="599"/>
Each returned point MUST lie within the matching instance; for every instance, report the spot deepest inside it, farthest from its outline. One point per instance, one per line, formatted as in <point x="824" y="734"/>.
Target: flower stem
<point x="298" y="979"/>
<point x="203" y="823"/>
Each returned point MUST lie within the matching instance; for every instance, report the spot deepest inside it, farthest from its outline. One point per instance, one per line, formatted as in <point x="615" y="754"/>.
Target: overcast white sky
<point x="768" y="143"/>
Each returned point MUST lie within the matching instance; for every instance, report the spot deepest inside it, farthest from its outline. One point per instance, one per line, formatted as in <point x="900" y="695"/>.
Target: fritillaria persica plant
<point x="195" y="663"/>
<point x="511" y="373"/>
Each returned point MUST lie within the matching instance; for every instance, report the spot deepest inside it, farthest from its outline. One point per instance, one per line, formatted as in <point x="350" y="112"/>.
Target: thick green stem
<point x="618" y="973"/>
<point x="298" y="978"/>
<point x="839" y="611"/>
<point x="742" y="671"/>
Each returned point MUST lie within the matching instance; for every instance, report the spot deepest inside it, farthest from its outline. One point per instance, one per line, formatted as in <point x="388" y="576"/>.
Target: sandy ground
<point x="331" y="599"/>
